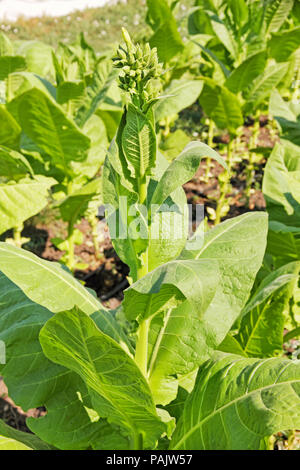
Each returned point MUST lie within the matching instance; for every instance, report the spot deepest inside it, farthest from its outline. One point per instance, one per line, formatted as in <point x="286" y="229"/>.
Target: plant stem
<point x="138" y="443"/>
<point x="296" y="88"/>
<point x="70" y="254"/>
<point x="94" y="224"/>
<point x="166" y="131"/>
<point x="17" y="234"/>
<point x="225" y="184"/>
<point x="141" y="354"/>
<point x="252" y="158"/>
<point x="210" y="139"/>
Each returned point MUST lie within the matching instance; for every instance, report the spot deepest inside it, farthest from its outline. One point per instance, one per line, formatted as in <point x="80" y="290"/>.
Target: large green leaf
<point x="238" y="246"/>
<point x="175" y="281"/>
<point x="237" y="402"/>
<point x="34" y="381"/>
<point x="95" y="129"/>
<point x="6" y="46"/>
<point x="38" y="56"/>
<point x="224" y="34"/>
<point x="222" y="106"/>
<point x="246" y="72"/>
<point x="182" y="169"/>
<point x="239" y="11"/>
<point x="283" y="44"/>
<point x="287" y="115"/>
<point x="10" y="64"/>
<point x="261" y="330"/>
<point x="262" y="86"/>
<point x="139" y="142"/>
<point x="281" y="184"/>
<point x="21" y="200"/>
<point x="283" y="242"/>
<point x="12" y="439"/>
<point x="74" y="206"/>
<point x="46" y="124"/>
<point x="13" y="165"/>
<point x="51" y="286"/>
<point x="10" y="130"/>
<point x="167" y="40"/>
<point x="29" y="295"/>
<point x="20" y="82"/>
<point x="95" y="92"/>
<point x="157" y="11"/>
<point x="179" y="95"/>
<point x="115" y="384"/>
<point x="277" y="12"/>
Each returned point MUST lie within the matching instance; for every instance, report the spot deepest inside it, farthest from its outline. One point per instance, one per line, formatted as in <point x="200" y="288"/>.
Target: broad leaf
<point x="222" y="106"/>
<point x="167" y="40"/>
<point x="13" y="165"/>
<point x="95" y="93"/>
<point x="283" y="44"/>
<point x="179" y="95"/>
<point x="262" y="86"/>
<point x="281" y="184"/>
<point x="45" y="123"/>
<point x="38" y="56"/>
<point x="21" y="200"/>
<point x="117" y="389"/>
<point x="10" y="130"/>
<point x="28" y="302"/>
<point x="276" y="14"/>
<point x="237" y="402"/>
<point x="182" y="169"/>
<point x="238" y="246"/>
<point x="6" y="46"/>
<point x="12" y="439"/>
<point x="51" y="286"/>
<point x="74" y="206"/>
<point x="175" y="281"/>
<point x="139" y="143"/>
<point x="246" y="72"/>
<point x="10" y="64"/>
<point x="283" y="242"/>
<point x="261" y="330"/>
<point x="95" y="129"/>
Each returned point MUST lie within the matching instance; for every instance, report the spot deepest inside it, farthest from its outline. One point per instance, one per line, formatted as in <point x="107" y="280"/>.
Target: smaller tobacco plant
<point x="152" y="374"/>
<point x="58" y="134"/>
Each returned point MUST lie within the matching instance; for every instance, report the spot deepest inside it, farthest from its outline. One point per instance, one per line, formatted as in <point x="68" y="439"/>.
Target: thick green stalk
<point x="17" y="234"/>
<point x="138" y="443"/>
<point x="94" y="224"/>
<point x="296" y="88"/>
<point x="71" y="247"/>
<point x="141" y="354"/>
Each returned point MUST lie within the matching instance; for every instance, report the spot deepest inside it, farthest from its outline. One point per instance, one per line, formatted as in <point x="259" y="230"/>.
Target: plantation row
<point x="193" y="358"/>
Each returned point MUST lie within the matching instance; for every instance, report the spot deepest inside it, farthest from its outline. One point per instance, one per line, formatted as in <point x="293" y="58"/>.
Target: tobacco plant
<point x="57" y="131"/>
<point x="152" y="374"/>
<point x="252" y="47"/>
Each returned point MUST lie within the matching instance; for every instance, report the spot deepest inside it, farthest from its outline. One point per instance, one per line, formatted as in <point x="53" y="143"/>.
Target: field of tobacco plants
<point x="150" y="233"/>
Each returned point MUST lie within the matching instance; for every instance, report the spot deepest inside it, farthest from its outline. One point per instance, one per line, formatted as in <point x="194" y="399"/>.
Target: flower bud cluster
<point x="140" y="70"/>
